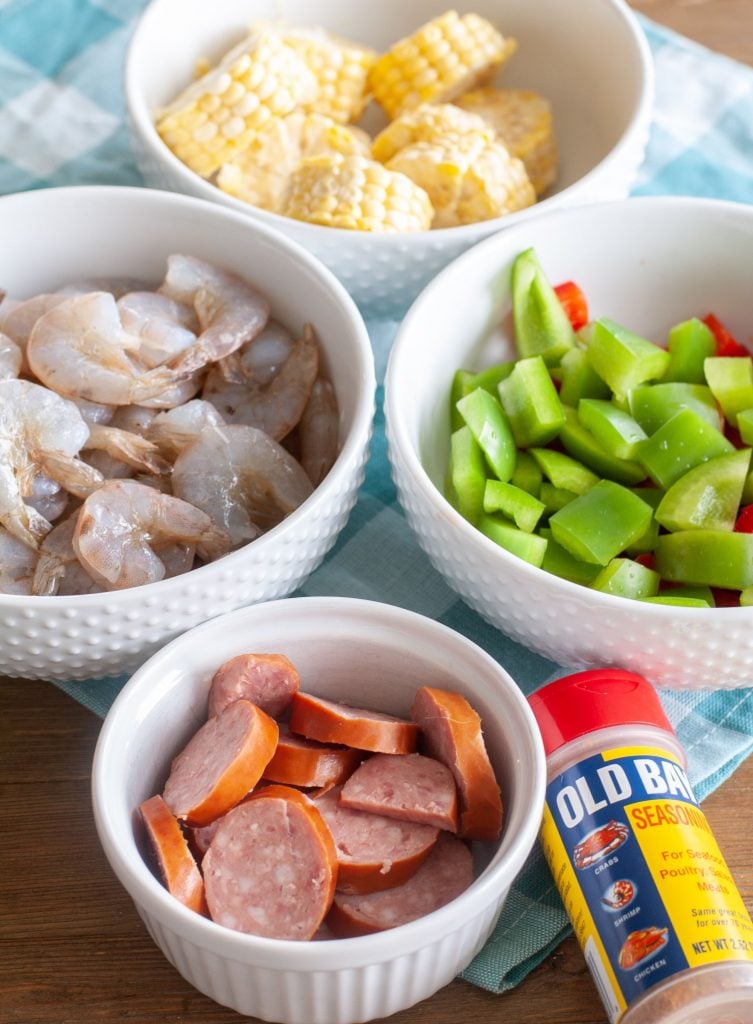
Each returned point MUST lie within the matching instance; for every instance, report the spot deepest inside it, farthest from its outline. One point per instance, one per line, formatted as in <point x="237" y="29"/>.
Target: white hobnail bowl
<point x="647" y="263"/>
<point x="57" y="235"/>
<point x="588" y="57"/>
<point x="368" y="654"/>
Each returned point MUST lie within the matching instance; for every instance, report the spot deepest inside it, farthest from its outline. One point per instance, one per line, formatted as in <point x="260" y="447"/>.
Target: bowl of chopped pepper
<point x="389" y="138"/>
<point x="575" y="457"/>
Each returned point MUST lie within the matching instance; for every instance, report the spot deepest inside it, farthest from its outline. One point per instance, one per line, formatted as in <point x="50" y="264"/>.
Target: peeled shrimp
<point x="230" y="311"/>
<point x="260" y="359"/>
<point x="123" y="525"/>
<point x="17" y="563"/>
<point x="94" y="412"/>
<point x="175" y="429"/>
<point x="240" y="477"/>
<point x="318" y="431"/>
<point x="47" y="497"/>
<point x="40" y="432"/>
<point x="11" y="358"/>
<point x="58" y="570"/>
<point x="278" y="406"/>
<point x="135" y="418"/>
<point x="80" y="350"/>
<point x="17" y="319"/>
<point x="164" y="327"/>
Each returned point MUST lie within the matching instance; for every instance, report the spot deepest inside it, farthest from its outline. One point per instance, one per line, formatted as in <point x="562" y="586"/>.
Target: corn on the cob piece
<point x="260" y="174"/>
<point x="523" y="121"/>
<point x="446" y="57"/>
<point x="468" y="177"/>
<point x="218" y="115"/>
<point x="356" y="193"/>
<point x="424" y="124"/>
<point x="340" y="67"/>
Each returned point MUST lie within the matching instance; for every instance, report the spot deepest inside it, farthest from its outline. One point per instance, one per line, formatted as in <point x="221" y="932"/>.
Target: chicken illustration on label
<point x="599" y="843"/>
<point x="640" y="945"/>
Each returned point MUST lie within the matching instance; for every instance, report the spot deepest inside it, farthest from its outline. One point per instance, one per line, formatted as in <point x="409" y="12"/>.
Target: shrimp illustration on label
<point x="619" y="894"/>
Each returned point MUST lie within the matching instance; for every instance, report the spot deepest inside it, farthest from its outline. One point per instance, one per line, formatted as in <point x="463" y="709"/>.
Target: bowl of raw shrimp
<point x="568" y="95"/>
<point x="186" y="406"/>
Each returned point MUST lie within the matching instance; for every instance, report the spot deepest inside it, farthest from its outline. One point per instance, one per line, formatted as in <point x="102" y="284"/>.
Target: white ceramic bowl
<point x="588" y="57"/>
<point x="366" y="653"/>
<point x="646" y="263"/>
<point x="58" y="235"/>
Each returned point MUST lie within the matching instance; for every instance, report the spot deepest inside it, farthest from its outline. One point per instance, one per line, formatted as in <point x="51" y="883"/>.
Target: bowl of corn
<point x="387" y="141"/>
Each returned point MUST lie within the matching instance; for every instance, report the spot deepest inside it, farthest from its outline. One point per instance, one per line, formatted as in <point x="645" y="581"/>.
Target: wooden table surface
<point x="74" y="949"/>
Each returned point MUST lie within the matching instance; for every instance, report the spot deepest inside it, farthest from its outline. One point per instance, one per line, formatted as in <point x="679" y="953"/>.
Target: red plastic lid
<point x="587" y="701"/>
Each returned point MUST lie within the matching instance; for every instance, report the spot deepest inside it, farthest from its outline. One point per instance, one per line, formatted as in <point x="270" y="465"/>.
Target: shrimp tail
<point x="214" y="544"/>
<point x="130" y="448"/>
<point x="26" y="525"/>
<point x="71" y="473"/>
<point x="48" y="575"/>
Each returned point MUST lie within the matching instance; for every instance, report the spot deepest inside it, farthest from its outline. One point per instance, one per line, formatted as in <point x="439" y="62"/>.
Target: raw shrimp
<point x="40" y="432"/>
<point x="240" y="477"/>
<point x="116" y="286"/>
<point x="278" y="406"/>
<point x="80" y="350"/>
<point x="17" y="563"/>
<point x="123" y="525"/>
<point x="130" y="448"/>
<point x="318" y="431"/>
<point x="175" y="429"/>
<point x="260" y="359"/>
<point x="58" y="569"/>
<point x="230" y="311"/>
<point x="11" y="358"/>
<point x="47" y="497"/>
<point x="135" y="418"/>
<point x="18" y="319"/>
<point x="94" y="412"/>
<point x="164" y="327"/>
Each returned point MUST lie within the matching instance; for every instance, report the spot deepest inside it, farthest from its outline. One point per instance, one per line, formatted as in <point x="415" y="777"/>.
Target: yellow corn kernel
<point x="260" y="174"/>
<point x="218" y="115"/>
<point x="523" y="121"/>
<point x="424" y="124"/>
<point x="356" y="193"/>
<point x="468" y="177"/>
<point x="340" y="67"/>
<point x="446" y="57"/>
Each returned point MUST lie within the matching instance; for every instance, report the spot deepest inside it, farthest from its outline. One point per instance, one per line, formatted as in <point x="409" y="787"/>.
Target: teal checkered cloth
<point x="62" y="123"/>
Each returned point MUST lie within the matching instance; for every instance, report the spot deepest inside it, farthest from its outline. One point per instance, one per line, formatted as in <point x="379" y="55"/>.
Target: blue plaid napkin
<point x="62" y="123"/>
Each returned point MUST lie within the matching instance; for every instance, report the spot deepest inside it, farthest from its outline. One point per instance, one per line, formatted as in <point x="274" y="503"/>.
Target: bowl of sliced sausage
<point x="318" y="805"/>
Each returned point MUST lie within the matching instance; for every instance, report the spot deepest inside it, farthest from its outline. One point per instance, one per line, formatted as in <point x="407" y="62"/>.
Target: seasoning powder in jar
<point x="663" y="928"/>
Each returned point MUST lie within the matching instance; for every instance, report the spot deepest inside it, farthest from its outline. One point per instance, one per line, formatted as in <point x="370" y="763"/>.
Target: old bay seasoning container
<point x="664" y="931"/>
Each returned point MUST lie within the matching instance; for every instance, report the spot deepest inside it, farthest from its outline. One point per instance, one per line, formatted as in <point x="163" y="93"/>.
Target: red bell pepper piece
<point x="574" y="303"/>
<point x="646" y="559"/>
<point x="726" y="598"/>
<point x="744" y="521"/>
<point x="726" y="345"/>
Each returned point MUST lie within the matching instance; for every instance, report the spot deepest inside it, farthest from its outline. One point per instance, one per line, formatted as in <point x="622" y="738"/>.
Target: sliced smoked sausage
<point x="410" y="787"/>
<point x="301" y="762"/>
<point x="221" y="763"/>
<point x="445" y="873"/>
<point x="177" y="868"/>
<point x="267" y="680"/>
<point x="373" y="852"/>
<point x="451" y="732"/>
<point x="329" y="722"/>
<point x="271" y="868"/>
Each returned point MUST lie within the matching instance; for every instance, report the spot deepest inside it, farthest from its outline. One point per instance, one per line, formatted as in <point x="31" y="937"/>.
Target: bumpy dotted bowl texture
<point x="368" y="654"/>
<point x="60" y="235"/>
<point x="593" y="66"/>
<point x="648" y="264"/>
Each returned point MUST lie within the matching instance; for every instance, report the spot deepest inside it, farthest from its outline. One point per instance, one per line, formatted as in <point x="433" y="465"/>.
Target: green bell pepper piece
<point x="461" y="386"/>
<point x="688" y="344"/>
<point x="745" y="425"/>
<point x="684" y="441"/>
<point x="731" y="381"/>
<point x="528" y="546"/>
<point x="624" y="359"/>
<point x="579" y="379"/>
<point x="708" y="496"/>
<point x="615" y="430"/>
<point x="625" y="578"/>
<point x="530" y="400"/>
<point x="653" y="404"/>
<point x="467" y="475"/>
<point x="514" y="503"/>
<point x="582" y="445"/>
<point x="707" y="557"/>
<point x="647" y="541"/>
<point x="527" y="475"/>
<point x="560" y="562"/>
<point x="704" y="594"/>
<point x="489" y="379"/>
<point x="555" y="498"/>
<point x="489" y="425"/>
<point x="565" y="472"/>
<point x="746" y="597"/>
<point x="679" y="602"/>
<point x="601" y="523"/>
<point x="542" y="327"/>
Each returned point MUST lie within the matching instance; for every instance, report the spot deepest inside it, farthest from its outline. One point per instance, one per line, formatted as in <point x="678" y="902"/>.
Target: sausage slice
<point x="373" y="852"/>
<point x="410" y="787"/>
<point x="329" y="722"/>
<point x="445" y="873"/>
<point x="451" y="731"/>
<point x="272" y="866"/>
<point x="180" y="875"/>
<point x="301" y="762"/>
<point x="221" y="763"/>
<point x="267" y="680"/>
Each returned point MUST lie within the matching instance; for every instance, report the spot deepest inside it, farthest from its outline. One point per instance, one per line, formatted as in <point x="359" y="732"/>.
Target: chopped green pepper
<point x="707" y="497"/>
<point x="711" y="557"/>
<point x="565" y="472"/>
<point x="542" y="327"/>
<point x="527" y="475"/>
<point x="530" y="400"/>
<point x="489" y="425"/>
<point x="601" y="523"/>
<point x="684" y="441"/>
<point x="555" y="498"/>
<point x="461" y="386"/>
<point x="467" y="474"/>
<point x="626" y="578"/>
<point x="688" y="344"/>
<point x="582" y="445"/>
<point x="579" y="379"/>
<point x="514" y="503"/>
<point x="731" y="381"/>
<point x="615" y="430"/>
<point x="624" y="359"/>
<point x="528" y="546"/>
<point x="561" y="563"/>
<point x="653" y="404"/>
